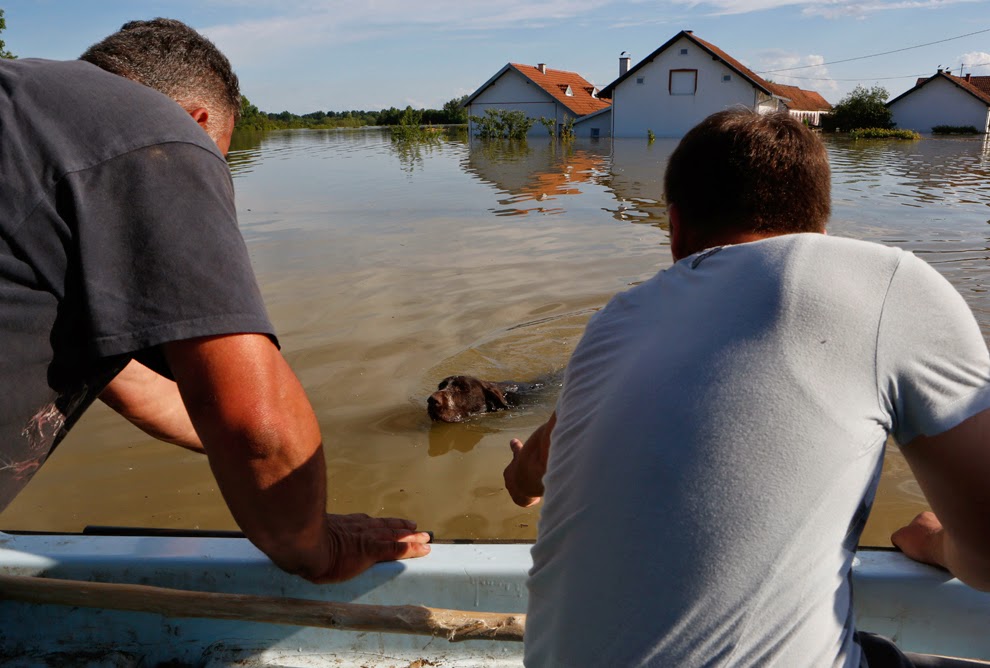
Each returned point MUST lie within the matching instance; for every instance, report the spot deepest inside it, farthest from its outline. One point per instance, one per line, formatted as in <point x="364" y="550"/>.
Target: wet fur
<point x="459" y="397"/>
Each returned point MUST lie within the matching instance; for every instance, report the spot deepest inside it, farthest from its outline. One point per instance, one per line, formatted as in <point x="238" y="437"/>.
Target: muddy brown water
<point x="387" y="267"/>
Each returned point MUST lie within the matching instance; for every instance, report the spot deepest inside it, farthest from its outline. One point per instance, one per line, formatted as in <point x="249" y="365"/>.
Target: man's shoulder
<point x="81" y="114"/>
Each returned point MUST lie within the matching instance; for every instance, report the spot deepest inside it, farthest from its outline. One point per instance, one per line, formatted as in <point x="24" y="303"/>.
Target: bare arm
<point x="524" y="474"/>
<point x="953" y="469"/>
<point x="264" y="447"/>
<point x="153" y="404"/>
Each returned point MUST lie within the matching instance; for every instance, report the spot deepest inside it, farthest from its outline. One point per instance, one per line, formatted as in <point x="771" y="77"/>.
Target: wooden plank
<point x="454" y="625"/>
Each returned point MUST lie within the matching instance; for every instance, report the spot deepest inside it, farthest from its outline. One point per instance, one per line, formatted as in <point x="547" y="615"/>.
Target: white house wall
<point x="514" y="92"/>
<point x="602" y="122"/>
<point x="637" y="108"/>
<point x="939" y="102"/>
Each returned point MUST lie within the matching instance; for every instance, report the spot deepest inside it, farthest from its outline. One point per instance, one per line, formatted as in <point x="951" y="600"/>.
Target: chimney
<point x="968" y="75"/>
<point x="624" y="61"/>
<point x="542" y="67"/>
<point x="939" y="71"/>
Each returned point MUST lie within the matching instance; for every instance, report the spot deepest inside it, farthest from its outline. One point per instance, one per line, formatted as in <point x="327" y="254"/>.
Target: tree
<point x="4" y="53"/>
<point x="453" y="111"/>
<point x="862" y="108"/>
<point x="251" y="118"/>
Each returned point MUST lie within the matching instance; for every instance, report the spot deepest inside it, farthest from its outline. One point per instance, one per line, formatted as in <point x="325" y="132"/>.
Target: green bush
<point x="955" y="130"/>
<point x="883" y="133"/>
<point x="550" y="124"/>
<point x="503" y="124"/>
<point x="862" y="108"/>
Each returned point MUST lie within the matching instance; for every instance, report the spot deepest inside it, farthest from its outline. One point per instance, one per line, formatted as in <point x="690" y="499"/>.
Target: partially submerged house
<point x="686" y="79"/>
<point x="943" y="99"/>
<point x="541" y="92"/>
<point x="804" y="105"/>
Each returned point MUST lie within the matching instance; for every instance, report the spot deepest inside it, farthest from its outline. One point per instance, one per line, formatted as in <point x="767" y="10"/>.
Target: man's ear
<point x="201" y="115"/>
<point x="494" y="398"/>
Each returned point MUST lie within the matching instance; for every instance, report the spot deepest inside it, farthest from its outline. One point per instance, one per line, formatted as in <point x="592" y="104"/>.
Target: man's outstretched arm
<point x="264" y="447"/>
<point x="953" y="470"/>
<point x="524" y="474"/>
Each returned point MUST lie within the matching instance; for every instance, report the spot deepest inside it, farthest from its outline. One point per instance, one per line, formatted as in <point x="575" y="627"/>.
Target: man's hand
<point x="952" y="469"/>
<point x="358" y="541"/>
<point x="525" y="488"/>
<point x="524" y="474"/>
<point x="922" y="539"/>
<point x="263" y="443"/>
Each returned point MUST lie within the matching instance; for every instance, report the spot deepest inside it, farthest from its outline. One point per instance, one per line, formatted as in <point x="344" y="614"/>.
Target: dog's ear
<point x="494" y="397"/>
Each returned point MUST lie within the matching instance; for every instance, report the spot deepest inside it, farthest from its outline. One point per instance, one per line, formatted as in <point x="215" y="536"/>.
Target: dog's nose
<point x="433" y="407"/>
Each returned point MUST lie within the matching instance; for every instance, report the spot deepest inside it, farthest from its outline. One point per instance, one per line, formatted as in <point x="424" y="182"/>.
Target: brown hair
<point x="741" y="171"/>
<point x="174" y="59"/>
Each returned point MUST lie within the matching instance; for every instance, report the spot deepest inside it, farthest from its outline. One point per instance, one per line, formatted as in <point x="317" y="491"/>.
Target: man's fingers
<point x="386" y="534"/>
<point x="920" y="539"/>
<point x="525" y="501"/>
<point x="400" y="549"/>
<point x="516" y="446"/>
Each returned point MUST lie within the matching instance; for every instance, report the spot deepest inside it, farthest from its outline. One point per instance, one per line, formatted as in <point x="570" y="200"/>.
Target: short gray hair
<point x="174" y="59"/>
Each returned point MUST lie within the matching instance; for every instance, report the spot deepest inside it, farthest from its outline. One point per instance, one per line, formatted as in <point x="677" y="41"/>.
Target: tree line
<point x="4" y="53"/>
<point x="253" y="119"/>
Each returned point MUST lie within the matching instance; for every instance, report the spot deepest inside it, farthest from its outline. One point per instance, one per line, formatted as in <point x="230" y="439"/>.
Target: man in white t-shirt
<point x="720" y="434"/>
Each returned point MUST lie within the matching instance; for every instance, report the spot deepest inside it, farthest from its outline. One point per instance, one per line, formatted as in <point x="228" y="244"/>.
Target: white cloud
<point x="833" y="9"/>
<point x="976" y="61"/>
<point x="295" y="24"/>
<point x="824" y="8"/>
<point x="814" y="75"/>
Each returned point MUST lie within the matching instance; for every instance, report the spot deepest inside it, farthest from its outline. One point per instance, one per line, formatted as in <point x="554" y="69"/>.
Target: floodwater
<point x="386" y="268"/>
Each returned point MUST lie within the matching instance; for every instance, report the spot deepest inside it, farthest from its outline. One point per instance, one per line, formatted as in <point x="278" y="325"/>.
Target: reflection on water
<point x="635" y="180"/>
<point x="387" y="267"/>
<point x="539" y="172"/>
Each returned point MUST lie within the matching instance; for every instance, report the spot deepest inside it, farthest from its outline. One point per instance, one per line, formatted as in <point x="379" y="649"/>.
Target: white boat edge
<point x="922" y="608"/>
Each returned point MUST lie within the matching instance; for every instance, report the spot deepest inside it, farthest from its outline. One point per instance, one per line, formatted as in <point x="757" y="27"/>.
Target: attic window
<point x="726" y="77"/>
<point x="640" y="80"/>
<point x="683" y="52"/>
<point x="569" y="92"/>
<point x="683" y="82"/>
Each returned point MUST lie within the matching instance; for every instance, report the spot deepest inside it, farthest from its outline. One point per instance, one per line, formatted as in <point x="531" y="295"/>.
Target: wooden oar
<point x="454" y="625"/>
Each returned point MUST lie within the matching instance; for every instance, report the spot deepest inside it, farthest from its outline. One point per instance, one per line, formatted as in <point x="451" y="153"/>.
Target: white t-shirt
<point x="718" y="443"/>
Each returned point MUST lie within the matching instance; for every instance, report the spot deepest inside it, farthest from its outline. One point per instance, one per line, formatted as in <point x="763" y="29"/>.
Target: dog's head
<point x="458" y="397"/>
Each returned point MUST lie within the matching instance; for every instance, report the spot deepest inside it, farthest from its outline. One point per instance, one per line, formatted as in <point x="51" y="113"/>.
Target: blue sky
<point x="308" y="55"/>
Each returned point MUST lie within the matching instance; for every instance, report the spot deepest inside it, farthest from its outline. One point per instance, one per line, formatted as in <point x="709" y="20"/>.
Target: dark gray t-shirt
<point x="117" y="233"/>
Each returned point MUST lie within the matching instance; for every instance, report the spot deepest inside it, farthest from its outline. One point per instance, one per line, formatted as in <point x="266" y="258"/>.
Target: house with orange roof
<point x="805" y="105"/>
<point x="943" y="99"/>
<point x="686" y="79"/>
<point x="541" y="92"/>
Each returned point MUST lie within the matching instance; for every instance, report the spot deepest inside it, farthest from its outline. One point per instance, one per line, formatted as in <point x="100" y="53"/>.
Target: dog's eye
<point x="443" y="384"/>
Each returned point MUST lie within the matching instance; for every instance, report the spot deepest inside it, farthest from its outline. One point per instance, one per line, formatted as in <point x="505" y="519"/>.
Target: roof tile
<point x="556" y="82"/>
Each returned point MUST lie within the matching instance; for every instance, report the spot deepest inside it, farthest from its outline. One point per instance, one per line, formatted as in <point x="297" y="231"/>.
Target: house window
<point x="683" y="52"/>
<point x="726" y="77"/>
<point x="640" y="80"/>
<point x="595" y="133"/>
<point x="683" y="82"/>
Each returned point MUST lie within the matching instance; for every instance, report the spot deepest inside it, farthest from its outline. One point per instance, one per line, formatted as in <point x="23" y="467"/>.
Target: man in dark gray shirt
<point x="121" y="263"/>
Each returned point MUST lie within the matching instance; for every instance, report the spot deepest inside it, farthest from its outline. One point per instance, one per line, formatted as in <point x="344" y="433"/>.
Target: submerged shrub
<point x="955" y="130"/>
<point x="503" y="124"/>
<point x="883" y="133"/>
